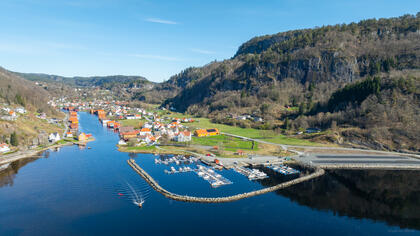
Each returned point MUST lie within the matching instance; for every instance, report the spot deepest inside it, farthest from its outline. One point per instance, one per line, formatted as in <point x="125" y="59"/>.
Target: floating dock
<point x="215" y="179"/>
<point x="178" y="160"/>
<point x="252" y="174"/>
<point x="283" y="169"/>
<point x="173" y="170"/>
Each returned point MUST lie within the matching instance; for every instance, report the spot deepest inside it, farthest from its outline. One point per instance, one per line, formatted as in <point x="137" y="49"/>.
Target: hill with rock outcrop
<point x="305" y="70"/>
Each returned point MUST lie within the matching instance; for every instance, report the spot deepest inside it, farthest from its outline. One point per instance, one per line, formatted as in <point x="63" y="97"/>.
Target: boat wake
<point x="135" y="193"/>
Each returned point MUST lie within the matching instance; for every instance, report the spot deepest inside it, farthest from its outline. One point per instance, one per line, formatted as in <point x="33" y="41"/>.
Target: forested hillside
<point x="18" y="91"/>
<point x="107" y="82"/>
<point x="309" y="69"/>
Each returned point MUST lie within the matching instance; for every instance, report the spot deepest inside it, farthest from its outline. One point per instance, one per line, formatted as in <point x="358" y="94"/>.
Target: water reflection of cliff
<point x="8" y="175"/>
<point x="389" y="196"/>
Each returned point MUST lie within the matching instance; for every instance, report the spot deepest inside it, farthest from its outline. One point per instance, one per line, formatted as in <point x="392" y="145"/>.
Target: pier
<point x="185" y="198"/>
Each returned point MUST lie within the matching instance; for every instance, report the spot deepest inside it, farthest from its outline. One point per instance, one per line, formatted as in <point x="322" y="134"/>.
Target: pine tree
<point x="286" y="123"/>
<point x="301" y="108"/>
<point x="13" y="139"/>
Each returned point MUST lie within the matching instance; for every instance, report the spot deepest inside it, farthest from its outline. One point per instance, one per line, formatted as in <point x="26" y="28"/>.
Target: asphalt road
<point x="398" y="162"/>
<point x="387" y="159"/>
<point x="361" y="157"/>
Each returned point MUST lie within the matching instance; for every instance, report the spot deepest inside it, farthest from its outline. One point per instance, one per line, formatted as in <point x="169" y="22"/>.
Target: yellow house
<point x="82" y="137"/>
<point x="212" y="132"/>
<point x="206" y="132"/>
<point x="200" y="133"/>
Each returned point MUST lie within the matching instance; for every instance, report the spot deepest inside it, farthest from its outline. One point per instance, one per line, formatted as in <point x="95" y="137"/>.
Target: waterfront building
<point x="4" y="148"/>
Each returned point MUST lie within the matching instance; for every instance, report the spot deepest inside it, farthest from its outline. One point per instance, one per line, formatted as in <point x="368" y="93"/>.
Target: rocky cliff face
<point x="326" y="58"/>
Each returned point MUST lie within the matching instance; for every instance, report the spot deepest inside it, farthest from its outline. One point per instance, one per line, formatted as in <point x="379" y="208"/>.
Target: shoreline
<point x="30" y="153"/>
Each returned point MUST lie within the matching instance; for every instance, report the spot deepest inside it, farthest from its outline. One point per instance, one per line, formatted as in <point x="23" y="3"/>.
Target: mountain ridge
<point x="84" y="81"/>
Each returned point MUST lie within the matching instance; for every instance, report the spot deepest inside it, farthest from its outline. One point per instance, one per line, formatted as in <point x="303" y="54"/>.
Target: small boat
<point x="139" y="203"/>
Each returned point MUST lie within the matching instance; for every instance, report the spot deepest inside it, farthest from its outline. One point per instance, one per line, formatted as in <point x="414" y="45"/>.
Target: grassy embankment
<point x="225" y="142"/>
<point x="266" y="135"/>
<point x="220" y="145"/>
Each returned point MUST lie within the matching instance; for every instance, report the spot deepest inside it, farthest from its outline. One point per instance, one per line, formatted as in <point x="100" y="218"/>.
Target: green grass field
<point x="266" y="135"/>
<point x="134" y="123"/>
<point x="140" y="148"/>
<point x="226" y="142"/>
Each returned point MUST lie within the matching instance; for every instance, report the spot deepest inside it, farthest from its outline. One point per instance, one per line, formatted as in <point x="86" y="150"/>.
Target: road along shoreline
<point x="27" y="153"/>
<point x="318" y="172"/>
<point x="367" y="167"/>
<point x="8" y="158"/>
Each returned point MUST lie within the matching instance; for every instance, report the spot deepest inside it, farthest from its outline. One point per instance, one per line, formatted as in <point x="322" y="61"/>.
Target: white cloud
<point x="201" y="51"/>
<point x="161" y="21"/>
<point x="156" y="57"/>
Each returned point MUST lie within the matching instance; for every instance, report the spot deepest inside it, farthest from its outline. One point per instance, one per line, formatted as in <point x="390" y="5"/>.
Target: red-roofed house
<point x="4" y="148"/>
<point x="183" y="136"/>
<point x="145" y="131"/>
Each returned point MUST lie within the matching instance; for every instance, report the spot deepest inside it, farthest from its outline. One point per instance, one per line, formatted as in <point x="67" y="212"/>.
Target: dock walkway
<point x="185" y="198"/>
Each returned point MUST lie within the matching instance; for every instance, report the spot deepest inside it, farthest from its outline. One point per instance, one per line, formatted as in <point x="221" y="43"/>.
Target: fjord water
<point x="75" y="192"/>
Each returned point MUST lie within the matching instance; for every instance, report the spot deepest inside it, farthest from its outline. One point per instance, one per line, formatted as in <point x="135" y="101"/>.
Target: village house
<point x="133" y="117"/>
<point x="170" y="134"/>
<point x="104" y="122"/>
<point x="111" y="124"/>
<point x="69" y="134"/>
<point x="20" y="110"/>
<point x="4" y="148"/>
<point x="12" y="114"/>
<point x="150" y="139"/>
<point x="187" y="120"/>
<point x="117" y="125"/>
<point x="129" y="135"/>
<point x="122" y="142"/>
<point x="148" y="125"/>
<point x="243" y="117"/>
<point x="74" y="126"/>
<point x="82" y="137"/>
<point x="42" y="116"/>
<point x="73" y="119"/>
<point x="145" y="131"/>
<point x="54" y="137"/>
<point x="183" y="136"/>
<point x="9" y="118"/>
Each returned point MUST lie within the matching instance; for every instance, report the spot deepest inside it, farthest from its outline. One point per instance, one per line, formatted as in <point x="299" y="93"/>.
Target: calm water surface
<point x="75" y="192"/>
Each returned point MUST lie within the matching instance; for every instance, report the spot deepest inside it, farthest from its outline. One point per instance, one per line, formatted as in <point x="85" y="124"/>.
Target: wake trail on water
<point x="137" y="193"/>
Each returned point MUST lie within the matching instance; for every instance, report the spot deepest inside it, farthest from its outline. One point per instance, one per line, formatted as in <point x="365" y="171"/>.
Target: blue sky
<point x="157" y="39"/>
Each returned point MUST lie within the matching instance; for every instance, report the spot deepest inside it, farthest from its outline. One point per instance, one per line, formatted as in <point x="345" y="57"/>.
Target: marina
<point x="215" y="179"/>
<point x="177" y="159"/>
<point x="283" y="169"/>
<point x="252" y="174"/>
<point x="173" y="170"/>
